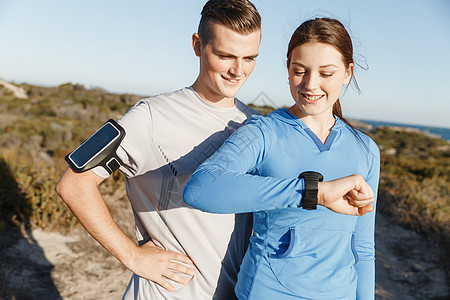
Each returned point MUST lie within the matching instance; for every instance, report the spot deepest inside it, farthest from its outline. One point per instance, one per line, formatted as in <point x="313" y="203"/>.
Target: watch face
<point x="94" y="146"/>
<point x="311" y="175"/>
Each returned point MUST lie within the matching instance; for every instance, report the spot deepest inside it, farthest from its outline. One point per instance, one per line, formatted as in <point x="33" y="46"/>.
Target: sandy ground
<point x="38" y="264"/>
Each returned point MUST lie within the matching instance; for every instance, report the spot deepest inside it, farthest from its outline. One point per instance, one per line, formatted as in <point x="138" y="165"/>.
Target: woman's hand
<point x="349" y="195"/>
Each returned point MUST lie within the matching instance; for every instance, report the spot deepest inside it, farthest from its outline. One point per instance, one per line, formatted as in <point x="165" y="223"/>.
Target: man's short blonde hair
<point x="238" y="15"/>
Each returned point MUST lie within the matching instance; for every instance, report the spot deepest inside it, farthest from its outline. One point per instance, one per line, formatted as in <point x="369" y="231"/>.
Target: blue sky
<point x="144" y="47"/>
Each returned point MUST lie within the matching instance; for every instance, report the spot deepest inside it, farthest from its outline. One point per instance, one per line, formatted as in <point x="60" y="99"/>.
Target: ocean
<point x="441" y="132"/>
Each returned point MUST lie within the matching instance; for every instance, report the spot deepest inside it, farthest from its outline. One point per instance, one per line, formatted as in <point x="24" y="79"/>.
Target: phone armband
<point x="99" y="150"/>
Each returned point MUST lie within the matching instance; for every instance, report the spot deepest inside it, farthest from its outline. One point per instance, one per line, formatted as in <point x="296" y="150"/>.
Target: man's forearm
<point x="80" y="192"/>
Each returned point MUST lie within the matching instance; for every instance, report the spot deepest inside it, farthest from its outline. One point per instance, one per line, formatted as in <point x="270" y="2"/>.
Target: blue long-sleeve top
<point x="296" y="253"/>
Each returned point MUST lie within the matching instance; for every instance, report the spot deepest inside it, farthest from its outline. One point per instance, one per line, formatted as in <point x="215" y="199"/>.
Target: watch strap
<point x="309" y="199"/>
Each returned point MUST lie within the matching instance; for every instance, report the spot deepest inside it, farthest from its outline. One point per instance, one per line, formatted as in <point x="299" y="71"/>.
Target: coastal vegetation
<point x="36" y="133"/>
<point x="414" y="184"/>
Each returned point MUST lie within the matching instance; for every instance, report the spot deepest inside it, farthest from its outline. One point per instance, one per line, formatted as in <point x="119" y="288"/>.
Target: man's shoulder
<point x="163" y="98"/>
<point x="148" y="108"/>
<point x="247" y="110"/>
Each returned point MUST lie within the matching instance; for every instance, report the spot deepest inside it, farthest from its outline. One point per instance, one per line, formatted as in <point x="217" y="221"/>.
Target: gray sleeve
<point x="134" y="149"/>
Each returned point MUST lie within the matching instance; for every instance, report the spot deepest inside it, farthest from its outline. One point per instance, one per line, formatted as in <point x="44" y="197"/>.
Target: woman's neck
<point x="319" y="124"/>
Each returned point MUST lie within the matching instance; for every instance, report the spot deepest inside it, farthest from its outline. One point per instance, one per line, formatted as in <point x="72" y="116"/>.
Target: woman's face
<point x="316" y="76"/>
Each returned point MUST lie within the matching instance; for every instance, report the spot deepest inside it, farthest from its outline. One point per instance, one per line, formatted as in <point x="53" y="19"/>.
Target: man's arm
<point x="80" y="192"/>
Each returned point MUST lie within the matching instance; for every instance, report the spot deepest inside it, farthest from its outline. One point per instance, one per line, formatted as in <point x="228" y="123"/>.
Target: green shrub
<point x="28" y="194"/>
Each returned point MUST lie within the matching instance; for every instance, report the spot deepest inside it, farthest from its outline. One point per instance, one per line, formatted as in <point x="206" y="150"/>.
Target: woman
<point x="298" y="252"/>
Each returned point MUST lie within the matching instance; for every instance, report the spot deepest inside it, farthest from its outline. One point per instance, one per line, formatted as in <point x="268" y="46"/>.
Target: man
<point x="183" y="253"/>
<point x="167" y="137"/>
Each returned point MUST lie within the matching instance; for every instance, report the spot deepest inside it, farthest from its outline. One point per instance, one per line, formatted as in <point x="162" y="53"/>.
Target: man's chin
<point x="231" y="92"/>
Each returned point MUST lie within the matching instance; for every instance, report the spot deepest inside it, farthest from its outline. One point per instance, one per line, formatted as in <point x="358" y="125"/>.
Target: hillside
<point x="38" y="131"/>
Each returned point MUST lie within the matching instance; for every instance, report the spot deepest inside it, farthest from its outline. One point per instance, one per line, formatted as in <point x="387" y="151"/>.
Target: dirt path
<point x="49" y="265"/>
<point x="39" y="264"/>
<point x="407" y="265"/>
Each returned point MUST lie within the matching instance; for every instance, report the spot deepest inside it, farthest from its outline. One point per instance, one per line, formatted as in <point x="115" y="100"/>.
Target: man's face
<point x="226" y="61"/>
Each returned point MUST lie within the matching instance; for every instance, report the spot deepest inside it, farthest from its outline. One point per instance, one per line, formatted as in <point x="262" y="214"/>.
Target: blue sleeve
<point x="365" y="233"/>
<point x="228" y="182"/>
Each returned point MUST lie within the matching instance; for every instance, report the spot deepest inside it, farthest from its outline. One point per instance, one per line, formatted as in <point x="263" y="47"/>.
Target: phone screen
<point x="101" y="139"/>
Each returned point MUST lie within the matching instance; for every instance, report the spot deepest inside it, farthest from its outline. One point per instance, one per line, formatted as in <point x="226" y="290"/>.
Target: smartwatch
<point x="309" y="199"/>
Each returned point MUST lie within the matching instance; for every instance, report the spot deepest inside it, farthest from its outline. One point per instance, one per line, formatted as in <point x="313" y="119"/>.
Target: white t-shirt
<point x="167" y="137"/>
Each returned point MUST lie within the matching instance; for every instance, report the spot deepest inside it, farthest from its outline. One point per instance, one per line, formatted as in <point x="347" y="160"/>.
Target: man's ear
<point x="196" y="44"/>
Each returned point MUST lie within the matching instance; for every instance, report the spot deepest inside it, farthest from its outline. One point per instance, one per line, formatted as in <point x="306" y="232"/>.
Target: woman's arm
<point x="365" y="235"/>
<point x="225" y="183"/>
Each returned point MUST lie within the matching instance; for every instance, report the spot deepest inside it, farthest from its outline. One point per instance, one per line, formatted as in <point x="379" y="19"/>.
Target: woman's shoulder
<point x="268" y="121"/>
<point x="367" y="140"/>
<point x="277" y="115"/>
<point x="369" y="144"/>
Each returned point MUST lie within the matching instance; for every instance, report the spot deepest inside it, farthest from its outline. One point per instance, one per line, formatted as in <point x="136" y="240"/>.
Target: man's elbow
<point x="62" y="186"/>
<point x="69" y="183"/>
<point x="58" y="188"/>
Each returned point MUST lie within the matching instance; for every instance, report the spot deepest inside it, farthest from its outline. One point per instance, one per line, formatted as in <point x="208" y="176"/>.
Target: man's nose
<point x="236" y="69"/>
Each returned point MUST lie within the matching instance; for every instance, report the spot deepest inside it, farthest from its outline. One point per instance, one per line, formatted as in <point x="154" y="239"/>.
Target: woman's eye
<point x="327" y="74"/>
<point x="301" y="73"/>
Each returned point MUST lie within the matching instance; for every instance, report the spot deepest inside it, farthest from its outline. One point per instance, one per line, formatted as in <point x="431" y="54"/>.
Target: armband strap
<point x="309" y="199"/>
